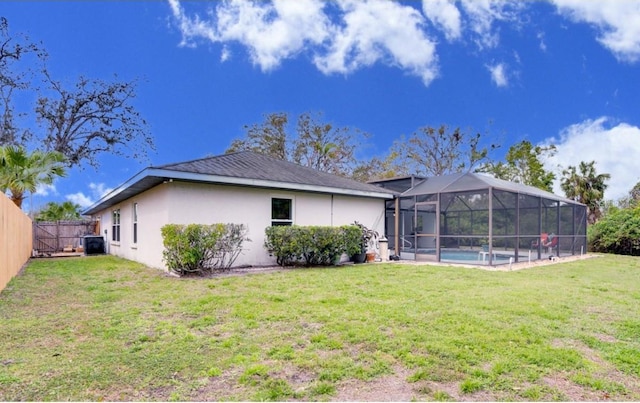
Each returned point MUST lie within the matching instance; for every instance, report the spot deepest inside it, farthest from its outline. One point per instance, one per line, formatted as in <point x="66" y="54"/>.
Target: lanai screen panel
<point x="464" y="219"/>
<point x="529" y="223"/>
<point x="494" y="221"/>
<point x="505" y="221"/>
<point x="464" y="213"/>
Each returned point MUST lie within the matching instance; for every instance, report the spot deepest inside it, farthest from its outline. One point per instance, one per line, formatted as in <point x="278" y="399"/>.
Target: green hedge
<point x="198" y="248"/>
<point x="617" y="232"/>
<point x="311" y="245"/>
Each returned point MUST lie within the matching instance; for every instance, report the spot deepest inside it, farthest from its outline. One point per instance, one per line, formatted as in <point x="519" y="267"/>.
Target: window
<point x="281" y="211"/>
<point x="115" y="226"/>
<point x="135" y="223"/>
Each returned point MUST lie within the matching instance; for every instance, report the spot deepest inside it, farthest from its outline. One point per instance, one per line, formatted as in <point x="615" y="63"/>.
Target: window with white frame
<point x="135" y="223"/>
<point x="115" y="226"/>
<point x="281" y="211"/>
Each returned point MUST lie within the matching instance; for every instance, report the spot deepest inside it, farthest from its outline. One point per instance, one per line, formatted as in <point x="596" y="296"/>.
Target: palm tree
<point x="22" y="172"/>
<point x="586" y="187"/>
<point x="59" y="211"/>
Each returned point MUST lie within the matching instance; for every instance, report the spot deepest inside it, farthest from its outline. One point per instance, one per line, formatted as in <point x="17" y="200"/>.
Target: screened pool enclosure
<point x="477" y="219"/>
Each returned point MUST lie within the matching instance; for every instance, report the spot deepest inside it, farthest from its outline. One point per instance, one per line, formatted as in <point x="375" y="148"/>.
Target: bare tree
<point x="314" y="144"/>
<point x="322" y="146"/>
<point x="14" y="78"/>
<point x="378" y="168"/>
<point x="439" y="151"/>
<point x="270" y="137"/>
<point x="95" y="117"/>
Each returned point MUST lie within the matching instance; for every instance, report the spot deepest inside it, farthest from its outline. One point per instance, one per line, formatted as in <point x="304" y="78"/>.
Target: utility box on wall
<point x="93" y="245"/>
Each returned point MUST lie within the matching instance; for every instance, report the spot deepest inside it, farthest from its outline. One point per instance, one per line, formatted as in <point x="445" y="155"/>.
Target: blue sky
<point x="563" y="72"/>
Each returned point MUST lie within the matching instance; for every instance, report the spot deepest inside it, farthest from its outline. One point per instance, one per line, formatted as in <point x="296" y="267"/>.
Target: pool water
<point x="466" y="256"/>
<point x="471" y="256"/>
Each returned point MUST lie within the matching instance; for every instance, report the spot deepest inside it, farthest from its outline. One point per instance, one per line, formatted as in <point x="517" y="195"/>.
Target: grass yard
<point x="103" y="328"/>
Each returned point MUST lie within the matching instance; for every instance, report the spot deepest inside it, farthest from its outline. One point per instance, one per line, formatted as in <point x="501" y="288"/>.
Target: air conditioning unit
<point x="93" y="245"/>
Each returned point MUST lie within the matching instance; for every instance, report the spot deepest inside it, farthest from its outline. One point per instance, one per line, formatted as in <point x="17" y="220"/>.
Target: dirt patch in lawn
<point x="388" y="388"/>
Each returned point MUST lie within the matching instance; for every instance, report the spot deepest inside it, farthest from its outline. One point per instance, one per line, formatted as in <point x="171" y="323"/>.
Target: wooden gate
<point x="54" y="236"/>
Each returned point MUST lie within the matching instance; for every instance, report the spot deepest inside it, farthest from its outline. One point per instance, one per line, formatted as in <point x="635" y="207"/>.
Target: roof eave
<point x="225" y="180"/>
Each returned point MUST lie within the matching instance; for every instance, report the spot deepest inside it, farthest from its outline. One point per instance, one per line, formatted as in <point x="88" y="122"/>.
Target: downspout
<point x="332" y="210"/>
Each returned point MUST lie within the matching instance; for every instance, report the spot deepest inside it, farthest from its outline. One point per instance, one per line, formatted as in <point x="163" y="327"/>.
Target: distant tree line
<point x="430" y="151"/>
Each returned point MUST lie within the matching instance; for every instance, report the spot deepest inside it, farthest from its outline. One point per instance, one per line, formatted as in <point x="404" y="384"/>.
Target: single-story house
<point x="242" y="188"/>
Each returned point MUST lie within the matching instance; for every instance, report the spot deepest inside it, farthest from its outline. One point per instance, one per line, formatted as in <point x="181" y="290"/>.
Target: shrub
<point x="352" y="239"/>
<point x="617" y="232"/>
<point x="198" y="248"/>
<point x="282" y="241"/>
<point x="325" y="245"/>
<point x="313" y="245"/>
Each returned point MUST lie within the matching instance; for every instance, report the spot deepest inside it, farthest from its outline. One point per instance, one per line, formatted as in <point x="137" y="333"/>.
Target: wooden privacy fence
<point x="16" y="237"/>
<point x="55" y="236"/>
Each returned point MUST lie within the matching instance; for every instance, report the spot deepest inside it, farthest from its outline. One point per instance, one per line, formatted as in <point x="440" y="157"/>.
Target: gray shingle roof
<point x="243" y="168"/>
<point x="250" y="165"/>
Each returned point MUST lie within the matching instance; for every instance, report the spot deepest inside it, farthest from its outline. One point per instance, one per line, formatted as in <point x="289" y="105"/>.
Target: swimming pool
<point x="465" y="256"/>
<point x="468" y="256"/>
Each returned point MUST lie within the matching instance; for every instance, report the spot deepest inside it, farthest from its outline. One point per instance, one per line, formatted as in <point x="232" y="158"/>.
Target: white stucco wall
<point x="186" y="203"/>
<point x="152" y="215"/>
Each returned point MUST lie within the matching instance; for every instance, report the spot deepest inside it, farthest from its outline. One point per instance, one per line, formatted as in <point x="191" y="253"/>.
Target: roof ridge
<point x="164" y="166"/>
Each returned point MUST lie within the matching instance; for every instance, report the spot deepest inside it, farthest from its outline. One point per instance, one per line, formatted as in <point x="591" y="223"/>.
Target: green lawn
<point x="102" y="328"/>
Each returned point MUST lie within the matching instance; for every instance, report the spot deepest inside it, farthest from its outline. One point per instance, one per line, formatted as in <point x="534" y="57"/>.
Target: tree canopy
<point x="269" y="137"/>
<point x="437" y="151"/>
<point x="524" y="164"/>
<point x="59" y="212"/>
<point x="583" y="184"/>
<point x="325" y="147"/>
<point x="22" y="172"/>
<point x="617" y="232"/>
<point x="314" y="143"/>
<point x="91" y="117"/>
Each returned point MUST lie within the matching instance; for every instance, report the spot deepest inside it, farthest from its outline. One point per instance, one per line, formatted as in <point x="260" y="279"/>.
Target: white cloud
<point x="542" y="45"/>
<point x="225" y="54"/>
<point x="80" y="199"/>
<point x="499" y="74"/>
<point x="615" y="150"/>
<point x="476" y="17"/>
<point x="45" y="190"/>
<point x="380" y="31"/>
<point x="481" y="15"/>
<point x="271" y="31"/>
<point x="618" y="23"/>
<point x="445" y="15"/>
<point x="342" y="36"/>
<point x="190" y="28"/>
<point x="97" y="191"/>
<point x="366" y="32"/>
